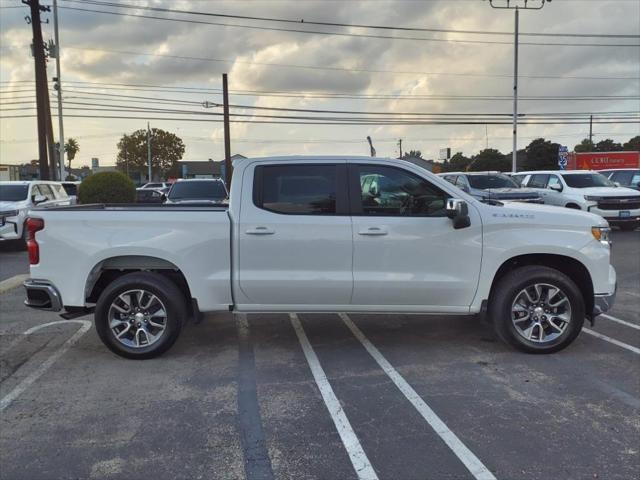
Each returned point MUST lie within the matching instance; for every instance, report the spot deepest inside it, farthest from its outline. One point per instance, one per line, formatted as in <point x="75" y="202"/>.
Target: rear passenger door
<point x="538" y="182"/>
<point x="294" y="237"/>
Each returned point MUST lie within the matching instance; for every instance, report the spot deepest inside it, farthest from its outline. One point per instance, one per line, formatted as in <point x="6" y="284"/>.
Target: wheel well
<point x="573" y="205"/>
<point x="112" y="268"/>
<point x="571" y="267"/>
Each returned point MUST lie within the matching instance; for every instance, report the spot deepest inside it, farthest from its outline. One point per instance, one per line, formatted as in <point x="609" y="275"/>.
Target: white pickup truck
<point x="323" y="234"/>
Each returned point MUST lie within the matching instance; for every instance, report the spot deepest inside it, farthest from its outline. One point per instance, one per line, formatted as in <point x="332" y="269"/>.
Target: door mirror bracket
<point x="555" y="187"/>
<point x="458" y="212"/>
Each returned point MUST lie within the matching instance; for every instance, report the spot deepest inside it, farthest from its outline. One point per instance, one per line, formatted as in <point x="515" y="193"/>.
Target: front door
<point x="406" y="252"/>
<point x="295" y="236"/>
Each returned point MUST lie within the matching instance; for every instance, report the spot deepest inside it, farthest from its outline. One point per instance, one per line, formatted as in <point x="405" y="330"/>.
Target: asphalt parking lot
<point x="321" y="397"/>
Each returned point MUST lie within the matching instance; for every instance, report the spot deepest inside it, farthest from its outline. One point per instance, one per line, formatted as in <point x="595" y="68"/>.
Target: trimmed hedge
<point x="107" y="187"/>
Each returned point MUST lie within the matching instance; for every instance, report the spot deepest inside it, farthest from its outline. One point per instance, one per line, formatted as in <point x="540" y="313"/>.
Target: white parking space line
<point x="620" y="344"/>
<point x="13" y="282"/>
<point x="361" y="464"/>
<point x="621" y="322"/>
<point x="466" y="456"/>
<point x="44" y="366"/>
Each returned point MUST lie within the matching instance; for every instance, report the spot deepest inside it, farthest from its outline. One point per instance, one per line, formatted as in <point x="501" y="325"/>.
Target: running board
<point x="77" y="312"/>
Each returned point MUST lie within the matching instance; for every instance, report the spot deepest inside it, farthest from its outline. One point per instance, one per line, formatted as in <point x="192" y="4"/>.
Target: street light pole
<point x="517" y="8"/>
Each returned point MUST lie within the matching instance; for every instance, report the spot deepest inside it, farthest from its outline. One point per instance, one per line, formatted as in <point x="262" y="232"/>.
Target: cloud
<point x="246" y="53"/>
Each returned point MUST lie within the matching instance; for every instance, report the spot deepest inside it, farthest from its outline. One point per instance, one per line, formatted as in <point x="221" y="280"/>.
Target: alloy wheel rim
<point x="541" y="312"/>
<point x="137" y="318"/>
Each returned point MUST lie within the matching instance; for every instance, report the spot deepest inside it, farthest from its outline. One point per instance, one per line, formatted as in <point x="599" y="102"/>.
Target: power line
<point x="348" y="25"/>
<point x="341" y="34"/>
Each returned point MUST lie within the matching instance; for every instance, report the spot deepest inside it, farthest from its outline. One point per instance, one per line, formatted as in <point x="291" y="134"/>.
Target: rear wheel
<point x="537" y="309"/>
<point x="140" y="315"/>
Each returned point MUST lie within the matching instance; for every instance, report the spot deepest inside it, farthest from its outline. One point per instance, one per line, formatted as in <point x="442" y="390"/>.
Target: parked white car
<point x="589" y="191"/>
<point x="312" y="234"/>
<point x="16" y="198"/>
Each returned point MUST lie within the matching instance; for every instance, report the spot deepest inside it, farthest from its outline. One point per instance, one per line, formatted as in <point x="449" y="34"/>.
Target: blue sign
<point x="563" y="156"/>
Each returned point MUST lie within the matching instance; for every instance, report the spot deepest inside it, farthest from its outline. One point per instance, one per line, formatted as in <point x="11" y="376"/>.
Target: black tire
<point x="628" y="227"/>
<point x="165" y="290"/>
<point x="504" y="296"/>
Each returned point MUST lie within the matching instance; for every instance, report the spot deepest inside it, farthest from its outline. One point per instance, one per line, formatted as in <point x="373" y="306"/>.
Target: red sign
<point x="603" y="160"/>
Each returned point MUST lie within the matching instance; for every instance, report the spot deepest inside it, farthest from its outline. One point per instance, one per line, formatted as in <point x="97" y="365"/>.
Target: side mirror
<point x="458" y="211"/>
<point x="617" y="184"/>
<point x="556" y="187"/>
<point x="39" y="199"/>
<point x="465" y="188"/>
<point x="163" y="198"/>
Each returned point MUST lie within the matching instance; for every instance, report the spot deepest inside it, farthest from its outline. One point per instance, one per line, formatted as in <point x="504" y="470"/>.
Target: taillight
<point x="33" y="225"/>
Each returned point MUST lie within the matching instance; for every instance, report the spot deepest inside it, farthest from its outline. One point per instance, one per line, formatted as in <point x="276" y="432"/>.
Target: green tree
<point x="608" y="145"/>
<point x="489" y="159"/>
<point x="71" y="148"/>
<point x="413" y="154"/>
<point x="107" y="187"/>
<point x="166" y="150"/>
<point x="585" y="145"/>
<point x="541" y="155"/>
<point x="633" y="144"/>
<point x="457" y="163"/>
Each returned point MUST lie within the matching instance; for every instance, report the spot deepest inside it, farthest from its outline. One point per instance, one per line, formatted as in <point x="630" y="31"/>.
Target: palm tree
<point x="71" y="148"/>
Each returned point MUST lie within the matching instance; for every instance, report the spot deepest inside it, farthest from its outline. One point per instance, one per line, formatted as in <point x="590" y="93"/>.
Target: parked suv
<point x="625" y="177"/>
<point x="590" y="191"/>
<point x="16" y="198"/>
<point x="491" y="186"/>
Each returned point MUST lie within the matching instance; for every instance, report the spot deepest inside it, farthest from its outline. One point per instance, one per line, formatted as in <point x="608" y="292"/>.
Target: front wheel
<point x="140" y="315"/>
<point x="537" y="309"/>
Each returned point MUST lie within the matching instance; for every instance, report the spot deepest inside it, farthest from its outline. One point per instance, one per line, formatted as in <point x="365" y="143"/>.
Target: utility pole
<point x="41" y="83"/>
<point x="227" y="134"/>
<point x="591" y="129"/>
<point x="400" y="145"/>
<point x="58" y="81"/>
<point x="517" y="8"/>
<point x="149" y="152"/>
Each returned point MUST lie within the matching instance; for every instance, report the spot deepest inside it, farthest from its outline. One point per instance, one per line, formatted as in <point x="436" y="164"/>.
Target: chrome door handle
<point x="260" y="231"/>
<point x="373" y="231"/>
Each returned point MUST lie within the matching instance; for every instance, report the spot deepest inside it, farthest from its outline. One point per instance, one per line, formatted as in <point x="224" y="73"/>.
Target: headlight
<point x="591" y="198"/>
<point x="601" y="234"/>
<point x="9" y="213"/>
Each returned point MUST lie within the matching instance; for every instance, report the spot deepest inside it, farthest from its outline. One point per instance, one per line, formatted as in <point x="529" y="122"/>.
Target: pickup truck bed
<point x="86" y="237"/>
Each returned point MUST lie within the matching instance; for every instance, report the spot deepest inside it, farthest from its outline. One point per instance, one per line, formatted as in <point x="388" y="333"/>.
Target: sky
<point x="178" y="65"/>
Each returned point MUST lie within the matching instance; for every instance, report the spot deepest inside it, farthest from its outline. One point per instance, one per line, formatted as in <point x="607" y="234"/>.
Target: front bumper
<point x="614" y="217"/>
<point x="42" y="295"/>
<point x="603" y="303"/>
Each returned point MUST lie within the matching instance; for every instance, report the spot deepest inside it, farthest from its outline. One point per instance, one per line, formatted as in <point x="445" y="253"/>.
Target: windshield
<point x="493" y="180"/>
<point x="213" y="190"/>
<point x="13" y="193"/>
<point x="586" y="180"/>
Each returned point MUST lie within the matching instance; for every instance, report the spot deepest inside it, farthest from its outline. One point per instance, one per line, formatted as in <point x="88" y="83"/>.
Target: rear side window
<point x="70" y="188"/>
<point x="58" y="190"/>
<point x="297" y="189"/>
<point x="538" y="180"/>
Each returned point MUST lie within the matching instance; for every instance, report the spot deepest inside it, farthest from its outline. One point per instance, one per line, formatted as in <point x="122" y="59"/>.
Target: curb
<point x="13" y="282"/>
